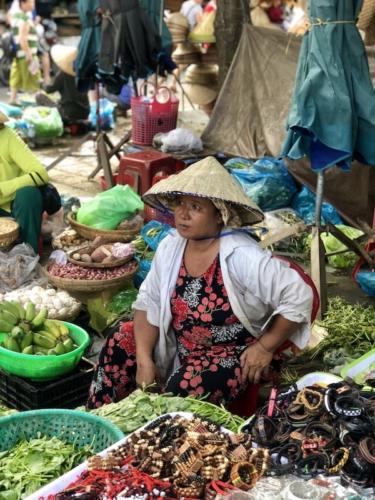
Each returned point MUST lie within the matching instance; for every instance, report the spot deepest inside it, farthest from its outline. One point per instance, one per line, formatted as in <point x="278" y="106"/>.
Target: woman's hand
<point x="146" y="372"/>
<point x="255" y="361"/>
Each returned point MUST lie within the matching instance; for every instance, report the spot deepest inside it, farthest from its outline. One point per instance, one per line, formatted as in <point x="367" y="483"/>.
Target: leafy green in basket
<point x="30" y="464"/>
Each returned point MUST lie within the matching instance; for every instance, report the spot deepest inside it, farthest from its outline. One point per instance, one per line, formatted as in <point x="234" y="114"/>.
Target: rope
<point x="322" y="22"/>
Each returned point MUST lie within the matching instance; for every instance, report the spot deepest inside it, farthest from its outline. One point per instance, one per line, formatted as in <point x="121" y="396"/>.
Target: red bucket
<point x="151" y="115"/>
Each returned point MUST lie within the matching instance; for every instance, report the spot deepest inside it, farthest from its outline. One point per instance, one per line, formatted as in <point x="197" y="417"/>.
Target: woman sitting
<point x="20" y="175"/>
<point x="215" y="309"/>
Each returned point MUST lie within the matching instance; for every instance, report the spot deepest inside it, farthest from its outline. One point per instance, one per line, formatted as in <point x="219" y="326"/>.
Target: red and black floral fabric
<point x="210" y="340"/>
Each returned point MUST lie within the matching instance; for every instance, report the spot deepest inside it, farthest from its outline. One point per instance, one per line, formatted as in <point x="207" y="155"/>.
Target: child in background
<point x="25" y="73"/>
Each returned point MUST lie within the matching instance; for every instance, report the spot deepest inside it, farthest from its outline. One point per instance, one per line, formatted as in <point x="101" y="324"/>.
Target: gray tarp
<point x="251" y="111"/>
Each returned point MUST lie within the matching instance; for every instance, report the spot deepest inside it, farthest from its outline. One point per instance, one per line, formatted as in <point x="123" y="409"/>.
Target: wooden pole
<point x="318" y="265"/>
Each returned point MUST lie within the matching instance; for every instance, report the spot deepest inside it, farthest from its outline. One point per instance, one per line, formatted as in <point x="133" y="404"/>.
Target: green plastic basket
<point x="45" y="367"/>
<point x="71" y="426"/>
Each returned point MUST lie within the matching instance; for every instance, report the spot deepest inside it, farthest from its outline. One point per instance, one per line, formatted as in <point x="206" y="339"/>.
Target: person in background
<point x="43" y="49"/>
<point x="73" y="106"/>
<point x="192" y="10"/>
<point x="24" y="73"/>
<point x="215" y="311"/>
<point x="20" y="175"/>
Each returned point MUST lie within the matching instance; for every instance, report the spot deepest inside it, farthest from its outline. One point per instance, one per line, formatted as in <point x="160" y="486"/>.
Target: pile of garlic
<point x="60" y="305"/>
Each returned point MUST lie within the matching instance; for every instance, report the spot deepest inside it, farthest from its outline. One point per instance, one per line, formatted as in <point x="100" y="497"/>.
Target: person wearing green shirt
<point x="20" y="174"/>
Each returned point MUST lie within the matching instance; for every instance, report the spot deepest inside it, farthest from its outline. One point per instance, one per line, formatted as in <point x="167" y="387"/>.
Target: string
<point x="322" y="22"/>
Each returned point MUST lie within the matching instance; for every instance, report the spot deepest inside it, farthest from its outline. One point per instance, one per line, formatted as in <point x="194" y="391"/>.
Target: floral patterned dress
<point x="210" y="340"/>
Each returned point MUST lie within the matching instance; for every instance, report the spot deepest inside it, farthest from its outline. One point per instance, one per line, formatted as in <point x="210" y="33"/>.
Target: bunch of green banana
<point x="30" y="332"/>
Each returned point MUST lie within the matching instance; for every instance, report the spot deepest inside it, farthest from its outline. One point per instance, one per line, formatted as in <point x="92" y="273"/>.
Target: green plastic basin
<point x="45" y="367"/>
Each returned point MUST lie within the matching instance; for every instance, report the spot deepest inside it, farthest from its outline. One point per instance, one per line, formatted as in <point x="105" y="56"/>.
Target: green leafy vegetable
<point x="141" y="407"/>
<point x="30" y="464"/>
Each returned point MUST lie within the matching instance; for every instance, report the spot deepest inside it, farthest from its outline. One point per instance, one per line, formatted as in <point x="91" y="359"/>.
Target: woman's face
<point x="196" y="217"/>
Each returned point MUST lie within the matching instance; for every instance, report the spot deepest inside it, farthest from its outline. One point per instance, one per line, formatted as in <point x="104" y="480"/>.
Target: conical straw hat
<point x="3" y="117"/>
<point x="209" y="179"/>
<point x="64" y="58"/>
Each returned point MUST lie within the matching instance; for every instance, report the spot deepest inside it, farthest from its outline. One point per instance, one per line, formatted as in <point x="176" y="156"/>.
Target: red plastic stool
<point x="143" y="166"/>
<point x="245" y="404"/>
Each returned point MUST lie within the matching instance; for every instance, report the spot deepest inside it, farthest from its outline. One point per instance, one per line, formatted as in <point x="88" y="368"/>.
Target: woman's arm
<point x="21" y="155"/>
<point x="146" y="336"/>
<point x="256" y="359"/>
<point x="24" y="33"/>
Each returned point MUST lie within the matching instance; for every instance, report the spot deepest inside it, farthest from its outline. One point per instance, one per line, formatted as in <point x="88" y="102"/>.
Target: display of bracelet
<point x="315" y="431"/>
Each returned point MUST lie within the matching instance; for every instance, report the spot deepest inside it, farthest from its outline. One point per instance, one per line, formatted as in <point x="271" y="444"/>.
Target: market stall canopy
<point x="252" y="108"/>
<point x="332" y="114"/>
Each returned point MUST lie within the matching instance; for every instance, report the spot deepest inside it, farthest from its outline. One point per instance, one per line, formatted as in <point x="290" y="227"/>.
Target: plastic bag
<point x="46" y="122"/>
<point x="18" y="267"/>
<point x="106" y="114"/>
<point x="109" y="208"/>
<point x="366" y="280"/>
<point x="179" y="140"/>
<point x="144" y="269"/>
<point x="11" y="111"/>
<point x="154" y="232"/>
<point x="268" y="183"/>
<point x="304" y="204"/>
<point x="363" y="275"/>
<point x="332" y="244"/>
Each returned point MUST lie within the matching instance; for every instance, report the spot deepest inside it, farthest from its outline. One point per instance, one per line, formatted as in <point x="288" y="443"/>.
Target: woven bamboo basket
<point x="115" y="235"/>
<point x="98" y="265"/>
<point x="88" y="286"/>
<point x="9" y="231"/>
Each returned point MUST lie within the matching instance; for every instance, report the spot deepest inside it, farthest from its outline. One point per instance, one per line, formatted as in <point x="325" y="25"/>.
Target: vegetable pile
<point x="350" y="327"/>
<point x="31" y="464"/>
<point x="68" y="240"/>
<point x="141" y="407"/>
<point x="30" y="332"/>
<point x="100" y="251"/>
<point x="73" y="272"/>
<point x="58" y="304"/>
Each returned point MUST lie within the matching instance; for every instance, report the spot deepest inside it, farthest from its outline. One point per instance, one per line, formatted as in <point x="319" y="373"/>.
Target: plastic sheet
<point x="268" y="183"/>
<point x="304" y="204"/>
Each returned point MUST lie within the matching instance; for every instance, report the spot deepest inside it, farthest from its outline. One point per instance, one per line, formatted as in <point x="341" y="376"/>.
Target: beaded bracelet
<point x="244" y="475"/>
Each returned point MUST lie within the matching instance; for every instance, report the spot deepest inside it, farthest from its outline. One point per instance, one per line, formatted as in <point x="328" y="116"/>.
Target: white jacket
<point x="258" y="286"/>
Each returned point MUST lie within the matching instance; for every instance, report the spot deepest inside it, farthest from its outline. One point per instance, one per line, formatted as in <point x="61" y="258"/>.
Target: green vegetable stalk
<point x="350" y="327"/>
